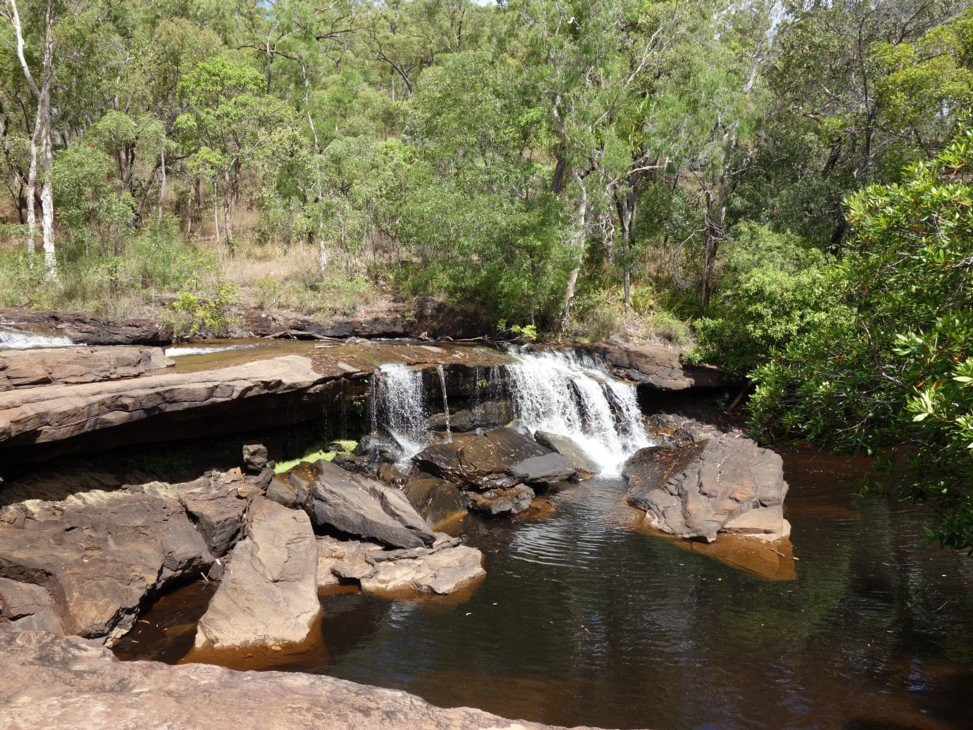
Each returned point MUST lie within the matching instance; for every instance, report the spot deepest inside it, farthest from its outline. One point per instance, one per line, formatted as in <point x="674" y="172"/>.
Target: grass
<point x="313" y="455"/>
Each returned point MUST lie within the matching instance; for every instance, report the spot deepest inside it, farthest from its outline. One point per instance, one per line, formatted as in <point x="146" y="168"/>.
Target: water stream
<point x="576" y="397"/>
<point x="11" y="339"/>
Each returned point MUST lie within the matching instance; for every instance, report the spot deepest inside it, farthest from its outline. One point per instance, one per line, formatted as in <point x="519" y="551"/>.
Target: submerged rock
<point x="709" y="481"/>
<point x="53" y="682"/>
<point x="361" y="507"/>
<point x="441" y="569"/>
<point x="497" y="502"/>
<point x="497" y="459"/>
<point x="269" y="591"/>
<point x="437" y="500"/>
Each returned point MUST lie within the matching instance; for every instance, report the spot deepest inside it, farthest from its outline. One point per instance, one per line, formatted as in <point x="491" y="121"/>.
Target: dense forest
<point x="783" y="188"/>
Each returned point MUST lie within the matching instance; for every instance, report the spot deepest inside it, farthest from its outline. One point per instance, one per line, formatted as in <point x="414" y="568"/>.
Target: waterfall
<point x="578" y="398"/>
<point x="402" y="412"/>
<point x="15" y="340"/>
<point x="442" y="386"/>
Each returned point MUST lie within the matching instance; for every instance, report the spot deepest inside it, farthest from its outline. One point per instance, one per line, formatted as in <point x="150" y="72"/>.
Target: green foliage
<point x="889" y="359"/>
<point x="198" y="314"/>
<point x="773" y="290"/>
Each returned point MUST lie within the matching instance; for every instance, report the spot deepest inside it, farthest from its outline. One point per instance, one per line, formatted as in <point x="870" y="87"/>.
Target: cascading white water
<point x="15" y="340"/>
<point x="573" y="396"/>
<point x="402" y="413"/>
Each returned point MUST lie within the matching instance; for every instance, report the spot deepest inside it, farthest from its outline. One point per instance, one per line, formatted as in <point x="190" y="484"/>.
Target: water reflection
<point x="583" y="620"/>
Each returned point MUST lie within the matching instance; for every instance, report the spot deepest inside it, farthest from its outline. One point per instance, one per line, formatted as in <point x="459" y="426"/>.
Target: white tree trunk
<point x="32" y="192"/>
<point x="578" y="241"/>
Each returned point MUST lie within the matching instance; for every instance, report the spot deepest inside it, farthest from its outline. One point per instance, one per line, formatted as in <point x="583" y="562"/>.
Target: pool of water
<point x="584" y="620"/>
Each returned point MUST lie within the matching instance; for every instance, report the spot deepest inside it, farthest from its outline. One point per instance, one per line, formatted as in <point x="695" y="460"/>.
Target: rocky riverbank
<point x="56" y="682"/>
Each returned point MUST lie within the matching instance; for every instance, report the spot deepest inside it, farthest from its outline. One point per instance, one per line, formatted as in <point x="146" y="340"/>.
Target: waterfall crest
<point x="16" y="340"/>
<point x="576" y="397"/>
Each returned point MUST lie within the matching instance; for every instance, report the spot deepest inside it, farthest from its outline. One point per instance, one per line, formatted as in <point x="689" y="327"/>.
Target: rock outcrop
<point x="357" y="506"/>
<point x="268" y="594"/>
<point x="564" y="445"/>
<point x="707" y="481"/>
<point x="57" y="412"/>
<point x="86" y="329"/>
<point x="76" y="365"/>
<point x="489" y="414"/>
<point x="55" y="682"/>
<point x="84" y="565"/>
<point x="441" y="569"/>
<point x="659" y="365"/>
<point x="497" y="459"/>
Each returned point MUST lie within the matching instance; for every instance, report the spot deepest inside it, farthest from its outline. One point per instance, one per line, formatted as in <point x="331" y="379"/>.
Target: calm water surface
<point x="583" y="620"/>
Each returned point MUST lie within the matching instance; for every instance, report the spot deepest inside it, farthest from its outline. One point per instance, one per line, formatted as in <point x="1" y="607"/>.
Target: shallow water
<point x="583" y="620"/>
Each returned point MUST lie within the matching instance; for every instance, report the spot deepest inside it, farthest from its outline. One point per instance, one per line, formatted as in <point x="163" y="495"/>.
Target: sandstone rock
<point x="286" y="492"/>
<point x="54" y="682"/>
<point x="30" y="605"/>
<point x="99" y="555"/>
<point x="480" y="462"/>
<point x="544" y="469"/>
<point x="441" y="568"/>
<point x="709" y="481"/>
<point x="254" y="458"/>
<point x="659" y="365"/>
<point x="216" y="507"/>
<point x="85" y="329"/>
<point x="565" y="446"/>
<point x="75" y="365"/>
<point x="57" y="412"/>
<point x="496" y="502"/>
<point x="437" y="500"/>
<point x="489" y="414"/>
<point x="269" y="591"/>
<point x="361" y="507"/>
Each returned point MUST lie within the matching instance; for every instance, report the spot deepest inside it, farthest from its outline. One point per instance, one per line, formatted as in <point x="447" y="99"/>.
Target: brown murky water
<point x="584" y="620"/>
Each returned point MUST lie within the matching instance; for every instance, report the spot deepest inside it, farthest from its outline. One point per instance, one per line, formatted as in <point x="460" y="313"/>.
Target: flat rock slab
<point x="569" y="448"/>
<point x="708" y="481"/>
<point x="86" y="329"/>
<point x="268" y="594"/>
<point x="361" y="507"/>
<point x="76" y="365"/>
<point x="441" y="569"/>
<point x="54" y="682"/>
<point x="497" y="459"/>
<point x="56" y="412"/>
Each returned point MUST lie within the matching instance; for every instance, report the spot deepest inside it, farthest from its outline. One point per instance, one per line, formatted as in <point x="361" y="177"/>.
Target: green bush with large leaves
<point x="891" y="359"/>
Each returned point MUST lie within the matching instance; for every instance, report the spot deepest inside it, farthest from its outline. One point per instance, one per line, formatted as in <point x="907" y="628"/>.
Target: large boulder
<point x="708" y="481"/>
<point x="100" y="555"/>
<point x="268" y="594"/>
<point x="582" y="463"/>
<point x="52" y="682"/>
<point x="497" y="459"/>
<point x="86" y="564"/>
<point x="358" y="506"/>
<point x="75" y="365"/>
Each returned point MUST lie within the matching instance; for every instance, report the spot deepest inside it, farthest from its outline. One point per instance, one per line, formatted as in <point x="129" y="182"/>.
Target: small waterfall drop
<point x="402" y="413"/>
<point x="15" y="340"/>
<point x="578" y="398"/>
<point x="442" y="385"/>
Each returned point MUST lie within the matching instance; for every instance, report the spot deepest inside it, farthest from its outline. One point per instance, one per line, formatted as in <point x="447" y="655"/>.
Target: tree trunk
<point x="578" y="243"/>
<point x="162" y="184"/>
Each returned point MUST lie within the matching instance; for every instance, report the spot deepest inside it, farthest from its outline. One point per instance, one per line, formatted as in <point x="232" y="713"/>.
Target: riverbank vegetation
<point x="783" y="185"/>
